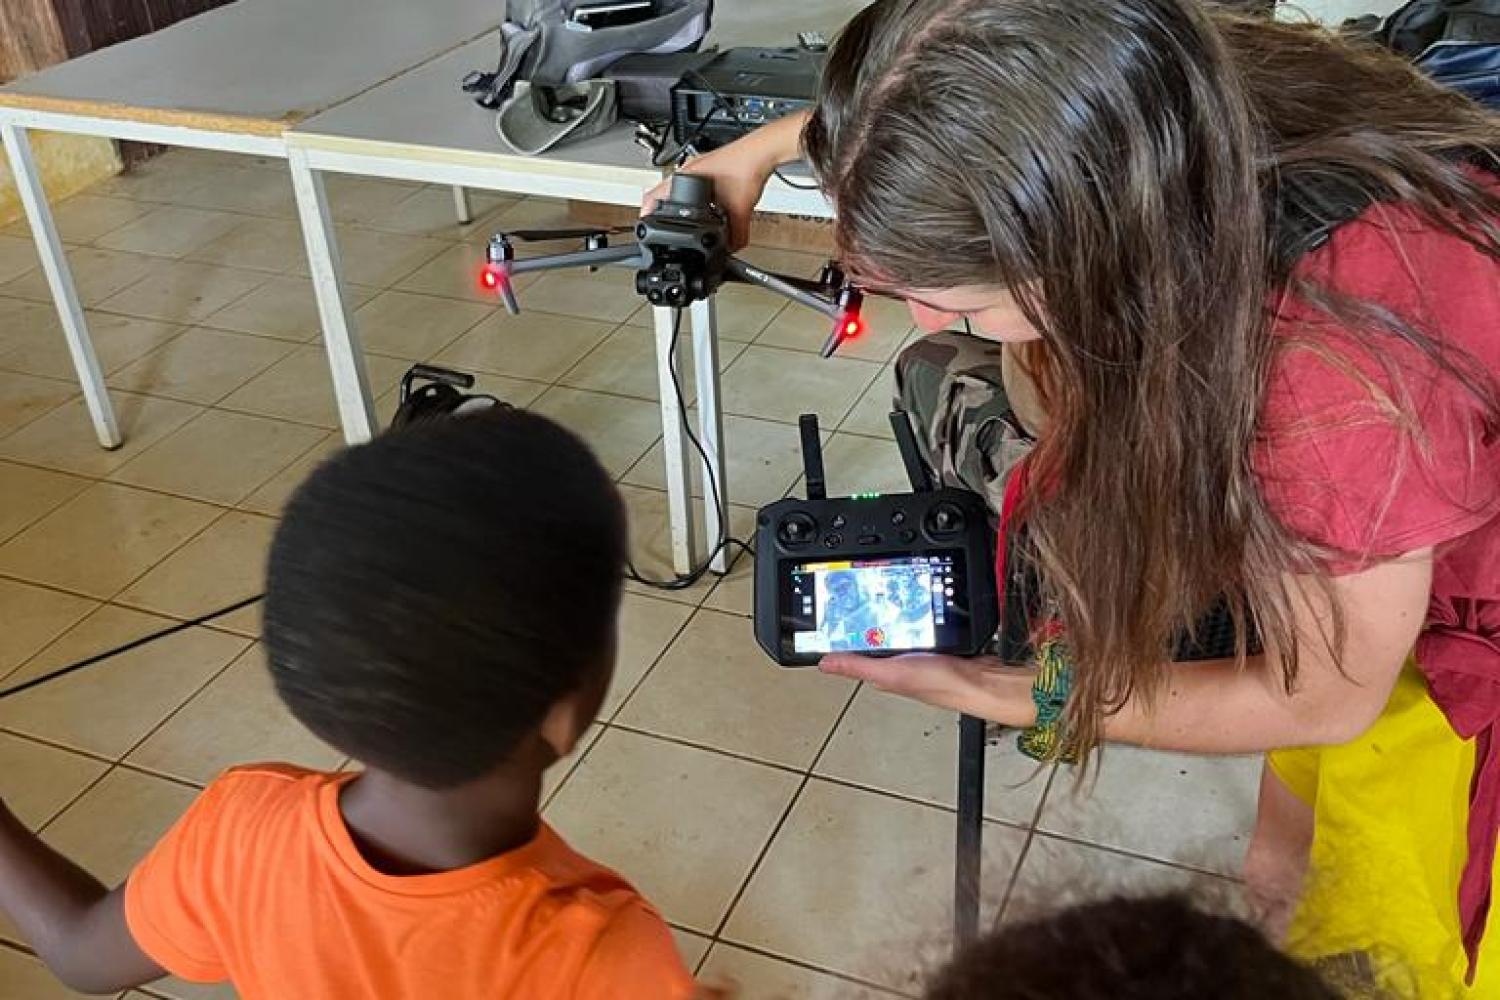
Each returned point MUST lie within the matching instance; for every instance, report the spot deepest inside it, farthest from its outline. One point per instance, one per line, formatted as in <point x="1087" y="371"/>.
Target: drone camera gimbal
<point x="681" y="255"/>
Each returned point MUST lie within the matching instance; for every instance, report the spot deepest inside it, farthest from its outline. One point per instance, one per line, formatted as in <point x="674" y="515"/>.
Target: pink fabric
<point x="1339" y="468"/>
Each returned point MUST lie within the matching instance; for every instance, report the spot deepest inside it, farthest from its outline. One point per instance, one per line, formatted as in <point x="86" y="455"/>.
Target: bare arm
<point x="1216" y="707"/>
<point x="75" y="924"/>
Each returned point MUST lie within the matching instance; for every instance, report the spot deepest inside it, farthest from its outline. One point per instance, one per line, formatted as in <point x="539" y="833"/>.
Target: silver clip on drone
<point x="681" y="256"/>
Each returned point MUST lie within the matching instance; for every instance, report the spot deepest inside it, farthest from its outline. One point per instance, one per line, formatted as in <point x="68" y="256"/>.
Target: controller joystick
<point x="796" y="528"/>
<point x="945" y="519"/>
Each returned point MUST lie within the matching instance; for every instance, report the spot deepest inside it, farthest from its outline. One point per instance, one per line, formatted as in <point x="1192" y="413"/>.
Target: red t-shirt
<point x="1340" y="467"/>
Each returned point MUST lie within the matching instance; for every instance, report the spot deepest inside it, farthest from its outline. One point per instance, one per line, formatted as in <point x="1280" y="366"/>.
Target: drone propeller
<point x="539" y="235"/>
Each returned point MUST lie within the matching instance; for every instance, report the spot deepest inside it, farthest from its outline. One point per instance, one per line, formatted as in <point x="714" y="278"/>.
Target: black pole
<point x="967" y="858"/>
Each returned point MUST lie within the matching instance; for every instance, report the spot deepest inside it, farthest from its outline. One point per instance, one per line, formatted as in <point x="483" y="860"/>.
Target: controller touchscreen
<point x="880" y="604"/>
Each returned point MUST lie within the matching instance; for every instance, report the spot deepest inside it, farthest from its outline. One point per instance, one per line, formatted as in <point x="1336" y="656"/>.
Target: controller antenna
<point x="812" y="457"/>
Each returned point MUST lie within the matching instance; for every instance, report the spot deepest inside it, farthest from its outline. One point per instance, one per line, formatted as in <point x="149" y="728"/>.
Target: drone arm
<point x="631" y="254"/>
<point x="787" y="288"/>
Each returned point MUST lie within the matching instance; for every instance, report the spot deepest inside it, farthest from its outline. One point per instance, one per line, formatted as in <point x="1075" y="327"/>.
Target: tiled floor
<point x="796" y="830"/>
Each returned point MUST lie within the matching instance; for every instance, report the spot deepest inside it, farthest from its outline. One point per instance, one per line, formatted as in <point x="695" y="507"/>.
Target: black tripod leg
<point x="967" y="862"/>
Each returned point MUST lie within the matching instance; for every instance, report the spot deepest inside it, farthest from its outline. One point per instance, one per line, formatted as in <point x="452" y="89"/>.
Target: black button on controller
<point x="869" y="539"/>
<point x="833" y="540"/>
<point x="945" y="519"/>
<point x="838" y="521"/>
<point x="898" y="518"/>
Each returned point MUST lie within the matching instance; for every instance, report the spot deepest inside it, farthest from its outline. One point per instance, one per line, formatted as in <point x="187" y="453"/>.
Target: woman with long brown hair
<point x="1104" y="187"/>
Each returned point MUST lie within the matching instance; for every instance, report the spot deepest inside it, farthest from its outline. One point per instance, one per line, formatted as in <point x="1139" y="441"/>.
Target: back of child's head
<point x="432" y="594"/>
<point x="1153" y="948"/>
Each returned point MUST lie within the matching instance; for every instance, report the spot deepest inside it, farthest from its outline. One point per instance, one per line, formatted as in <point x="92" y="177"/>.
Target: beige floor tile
<point x="862" y="884"/>
<point x="117" y="821"/>
<point x="608" y="294"/>
<point x="110" y="707"/>
<point x="371" y="257"/>
<point x="220" y="457"/>
<point x="735" y="591"/>
<point x="272" y="497"/>
<point x="763" y="460"/>
<point x="17" y="256"/>
<point x="429" y="211"/>
<point x="651" y="542"/>
<point x="256" y="244"/>
<point x="299" y="388"/>
<point x="200" y="366"/>
<point x="625" y="364"/>
<point x="170" y="178"/>
<point x="619" y="430"/>
<point x="64" y="438"/>
<point x="33" y="617"/>
<point x="40" y="780"/>
<point x="715" y="687"/>
<point x="1058" y="873"/>
<point x="362" y="199"/>
<point x="647" y="626"/>
<point x="556" y="775"/>
<point x="219" y="567"/>
<point x="23" y="398"/>
<point x="1194" y="811"/>
<point x="236" y="719"/>
<point x="871" y="416"/>
<point x="170" y="231"/>
<point x="532" y="345"/>
<point x="539" y="213"/>
<point x="775" y="384"/>
<point x="756" y="976"/>
<point x="31" y="494"/>
<point x="683" y="825"/>
<point x="173" y="988"/>
<point x="901" y="746"/>
<point x="886" y="325"/>
<point x="857" y="464"/>
<point x="692" y="947"/>
<point x="23" y="977"/>
<point x="242" y="189"/>
<point x="177" y="291"/>
<point x="102" y="539"/>
<point x="798" y="263"/>
<point x="413" y="326"/>
<point x="34" y="340"/>
<point x="84" y="218"/>
<point x="284" y="308"/>
<point x="97" y="276"/>
<point x="742" y="312"/>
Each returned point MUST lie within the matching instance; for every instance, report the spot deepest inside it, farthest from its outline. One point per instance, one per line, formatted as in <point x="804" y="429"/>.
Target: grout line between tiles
<point x="1126" y="852"/>
<point x="811" y="967"/>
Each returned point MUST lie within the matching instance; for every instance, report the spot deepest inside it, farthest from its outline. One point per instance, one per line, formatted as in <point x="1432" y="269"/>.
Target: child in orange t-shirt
<point x="441" y="606"/>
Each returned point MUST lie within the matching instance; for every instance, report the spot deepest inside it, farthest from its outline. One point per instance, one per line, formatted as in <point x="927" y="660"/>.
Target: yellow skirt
<point x="1389" y="844"/>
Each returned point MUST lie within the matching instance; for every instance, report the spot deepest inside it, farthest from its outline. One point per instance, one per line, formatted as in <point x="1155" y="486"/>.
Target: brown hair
<point x="1117" y="165"/>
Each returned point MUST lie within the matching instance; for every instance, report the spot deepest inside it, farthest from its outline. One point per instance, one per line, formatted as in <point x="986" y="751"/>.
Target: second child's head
<point x="442" y="601"/>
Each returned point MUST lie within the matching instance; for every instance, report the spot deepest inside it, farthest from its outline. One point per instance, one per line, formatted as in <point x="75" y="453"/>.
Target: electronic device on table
<point x="681" y="255"/>
<point x="871" y="573"/>
<point x="743" y="89"/>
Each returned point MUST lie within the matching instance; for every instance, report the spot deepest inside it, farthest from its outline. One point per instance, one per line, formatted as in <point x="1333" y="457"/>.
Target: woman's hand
<point x="740" y="171"/>
<point x="981" y="686"/>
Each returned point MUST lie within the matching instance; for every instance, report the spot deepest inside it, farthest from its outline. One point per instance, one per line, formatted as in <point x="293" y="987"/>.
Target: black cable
<point x="127" y="647"/>
<point x="725" y="540"/>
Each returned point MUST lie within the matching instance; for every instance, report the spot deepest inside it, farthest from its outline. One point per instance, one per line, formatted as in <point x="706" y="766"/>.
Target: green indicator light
<point x="865" y="496"/>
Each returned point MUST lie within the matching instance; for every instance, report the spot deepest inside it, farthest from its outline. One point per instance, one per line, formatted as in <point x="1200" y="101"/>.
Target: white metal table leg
<point x="461" y="204"/>
<point x="674" y="447"/>
<point x="60" y="280"/>
<point x="346" y="357"/>
<point x="711" y="427"/>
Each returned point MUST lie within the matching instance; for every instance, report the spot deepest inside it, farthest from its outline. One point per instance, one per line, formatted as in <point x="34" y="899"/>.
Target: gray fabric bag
<point x="539" y="44"/>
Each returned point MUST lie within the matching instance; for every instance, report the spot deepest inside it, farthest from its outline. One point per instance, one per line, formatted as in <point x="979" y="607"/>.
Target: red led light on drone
<point x="491" y="277"/>
<point x="851" y="328"/>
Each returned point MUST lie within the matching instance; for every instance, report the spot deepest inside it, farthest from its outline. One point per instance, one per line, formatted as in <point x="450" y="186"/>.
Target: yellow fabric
<point x="1389" y="843"/>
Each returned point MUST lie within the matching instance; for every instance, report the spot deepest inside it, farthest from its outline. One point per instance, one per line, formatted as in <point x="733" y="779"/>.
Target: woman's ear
<point x="566" y="722"/>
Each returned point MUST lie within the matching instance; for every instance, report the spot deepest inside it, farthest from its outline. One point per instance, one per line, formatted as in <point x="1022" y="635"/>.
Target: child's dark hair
<point x="433" y="593"/>
<point x="1154" y="948"/>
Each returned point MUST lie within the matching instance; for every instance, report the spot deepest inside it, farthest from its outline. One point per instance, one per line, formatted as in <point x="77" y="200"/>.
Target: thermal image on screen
<point x="889" y="604"/>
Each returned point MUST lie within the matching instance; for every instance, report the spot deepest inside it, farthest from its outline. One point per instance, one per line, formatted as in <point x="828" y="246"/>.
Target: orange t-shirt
<point x="260" y="883"/>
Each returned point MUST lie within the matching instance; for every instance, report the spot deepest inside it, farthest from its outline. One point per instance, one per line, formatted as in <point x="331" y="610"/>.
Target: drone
<point x="681" y="255"/>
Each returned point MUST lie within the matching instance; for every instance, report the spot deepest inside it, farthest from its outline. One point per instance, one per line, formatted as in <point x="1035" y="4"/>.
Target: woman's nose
<point x="931" y="320"/>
